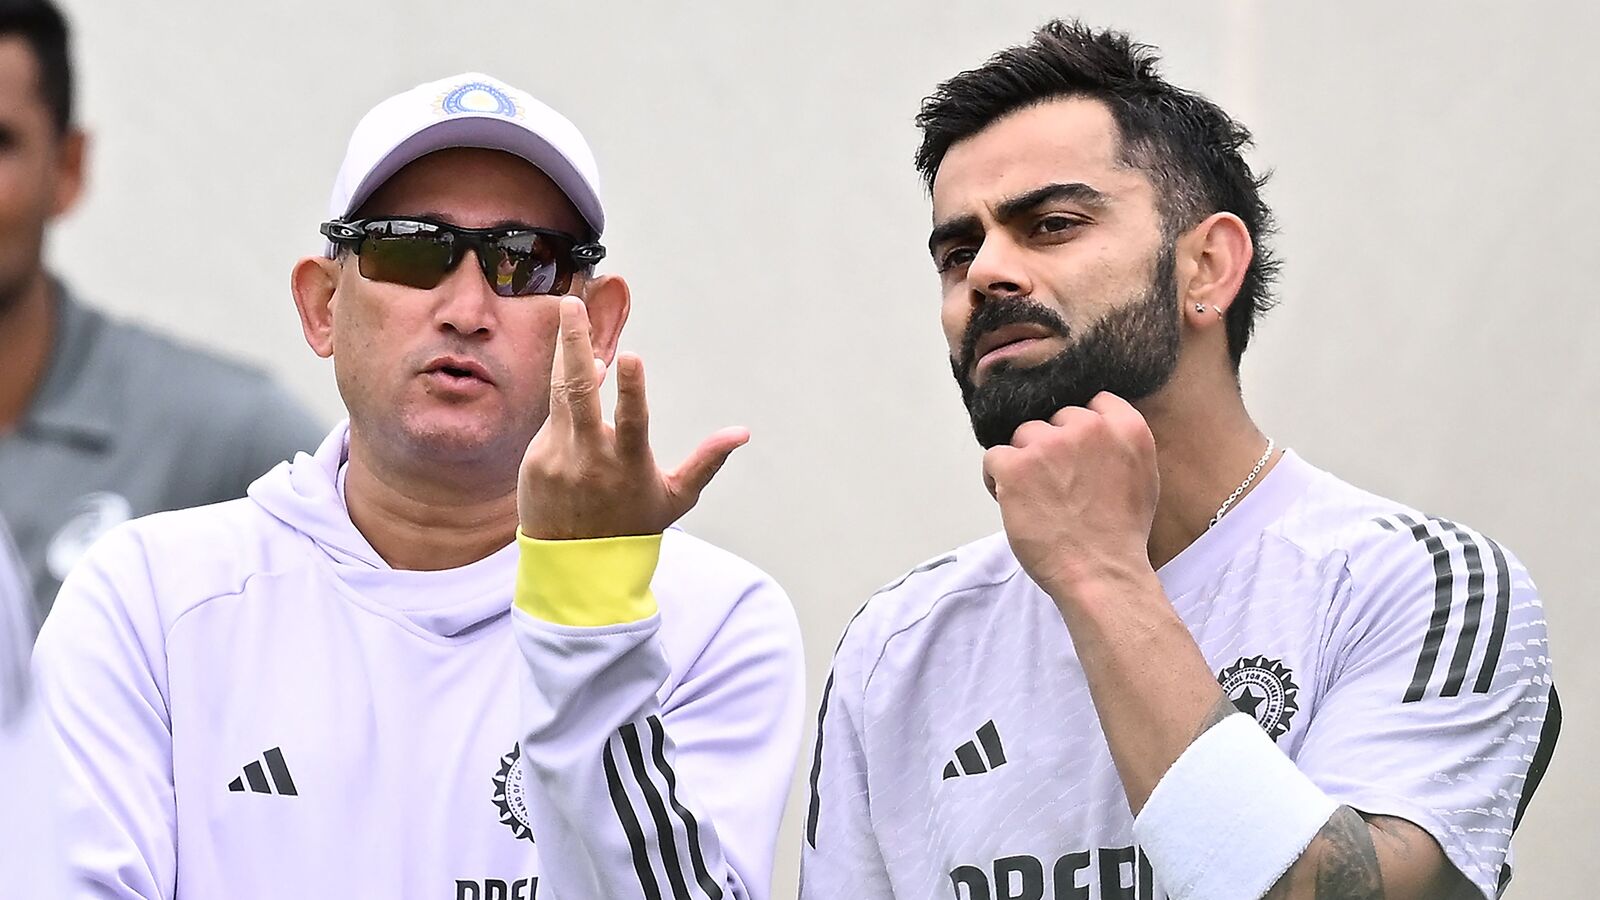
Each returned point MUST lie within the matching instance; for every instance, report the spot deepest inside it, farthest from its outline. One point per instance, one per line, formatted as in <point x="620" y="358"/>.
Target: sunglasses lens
<point x="526" y="264"/>
<point x="418" y="259"/>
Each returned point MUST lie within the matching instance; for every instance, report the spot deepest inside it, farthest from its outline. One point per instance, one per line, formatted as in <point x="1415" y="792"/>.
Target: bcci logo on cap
<point x="477" y="98"/>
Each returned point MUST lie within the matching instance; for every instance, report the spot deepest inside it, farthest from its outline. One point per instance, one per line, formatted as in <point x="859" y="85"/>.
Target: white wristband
<point x="1230" y="816"/>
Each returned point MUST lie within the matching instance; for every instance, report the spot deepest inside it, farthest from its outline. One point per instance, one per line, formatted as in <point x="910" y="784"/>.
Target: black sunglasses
<point x="517" y="262"/>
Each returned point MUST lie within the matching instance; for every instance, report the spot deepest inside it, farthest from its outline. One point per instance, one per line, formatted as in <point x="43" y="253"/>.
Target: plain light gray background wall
<point x="1434" y="187"/>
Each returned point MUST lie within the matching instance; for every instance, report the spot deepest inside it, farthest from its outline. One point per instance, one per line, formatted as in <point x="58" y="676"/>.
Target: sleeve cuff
<point x="587" y="583"/>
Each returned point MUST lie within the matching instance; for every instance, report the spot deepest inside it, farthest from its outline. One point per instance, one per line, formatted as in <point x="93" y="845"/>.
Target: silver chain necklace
<point x="1243" y="485"/>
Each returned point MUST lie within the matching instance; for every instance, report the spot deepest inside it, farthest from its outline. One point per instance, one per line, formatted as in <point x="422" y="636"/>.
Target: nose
<point x="998" y="269"/>
<point x="464" y="303"/>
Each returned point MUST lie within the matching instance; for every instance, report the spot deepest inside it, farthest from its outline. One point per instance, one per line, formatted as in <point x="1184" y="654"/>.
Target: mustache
<point x="999" y="312"/>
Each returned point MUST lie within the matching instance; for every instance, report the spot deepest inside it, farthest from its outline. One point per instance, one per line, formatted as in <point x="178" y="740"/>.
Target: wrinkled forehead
<point x="476" y="188"/>
<point x="1066" y="141"/>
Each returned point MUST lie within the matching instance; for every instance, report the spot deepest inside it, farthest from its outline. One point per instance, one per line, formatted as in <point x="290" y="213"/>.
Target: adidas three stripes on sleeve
<point x="643" y="789"/>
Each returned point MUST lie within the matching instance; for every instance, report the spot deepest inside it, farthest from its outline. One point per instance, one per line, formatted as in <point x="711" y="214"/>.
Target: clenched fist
<point x="585" y="478"/>
<point x="1078" y="495"/>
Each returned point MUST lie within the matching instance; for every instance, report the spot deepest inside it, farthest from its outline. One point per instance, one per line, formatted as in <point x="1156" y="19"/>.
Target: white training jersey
<point x="256" y="705"/>
<point x="1399" y="660"/>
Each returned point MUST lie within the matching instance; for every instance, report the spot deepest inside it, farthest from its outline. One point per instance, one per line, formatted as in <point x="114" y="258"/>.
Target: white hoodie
<point x="256" y="705"/>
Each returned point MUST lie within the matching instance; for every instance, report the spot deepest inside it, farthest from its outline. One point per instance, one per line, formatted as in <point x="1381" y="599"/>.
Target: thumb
<point x="694" y="473"/>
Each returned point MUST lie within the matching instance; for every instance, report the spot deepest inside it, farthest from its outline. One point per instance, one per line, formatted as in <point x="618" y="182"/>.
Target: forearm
<point x="1381" y="858"/>
<point x="633" y="792"/>
<point x="1151" y="687"/>
<point x="604" y="790"/>
<point x="1340" y="864"/>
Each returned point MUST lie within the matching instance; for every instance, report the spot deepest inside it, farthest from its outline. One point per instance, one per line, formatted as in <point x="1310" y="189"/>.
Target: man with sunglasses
<point x="324" y="689"/>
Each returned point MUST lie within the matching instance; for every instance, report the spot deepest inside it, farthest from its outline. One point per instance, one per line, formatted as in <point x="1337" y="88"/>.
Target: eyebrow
<point x="1012" y="207"/>
<point x="1074" y="191"/>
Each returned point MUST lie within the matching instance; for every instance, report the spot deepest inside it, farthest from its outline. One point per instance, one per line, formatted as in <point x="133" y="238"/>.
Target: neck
<point x="27" y="330"/>
<point x="417" y="520"/>
<point x="1205" y="447"/>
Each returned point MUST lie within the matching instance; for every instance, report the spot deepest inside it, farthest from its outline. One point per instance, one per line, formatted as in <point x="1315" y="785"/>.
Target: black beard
<point x="1131" y="352"/>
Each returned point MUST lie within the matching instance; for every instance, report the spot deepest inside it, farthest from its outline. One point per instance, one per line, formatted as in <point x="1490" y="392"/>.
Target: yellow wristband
<point x="587" y="583"/>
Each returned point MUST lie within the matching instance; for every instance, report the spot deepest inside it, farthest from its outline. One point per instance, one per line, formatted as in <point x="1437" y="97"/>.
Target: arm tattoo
<point x="1223" y="709"/>
<point x="1345" y="865"/>
<point x="1345" y="862"/>
<point x="1348" y="866"/>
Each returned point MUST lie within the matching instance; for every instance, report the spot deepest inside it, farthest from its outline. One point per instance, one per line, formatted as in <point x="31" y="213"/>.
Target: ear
<point x="71" y="154"/>
<point x="608" y="301"/>
<point x="1213" y="256"/>
<point x="314" y="282"/>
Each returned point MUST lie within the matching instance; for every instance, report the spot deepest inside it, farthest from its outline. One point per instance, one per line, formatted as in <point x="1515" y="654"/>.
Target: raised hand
<point x="1078" y="494"/>
<point x="585" y="478"/>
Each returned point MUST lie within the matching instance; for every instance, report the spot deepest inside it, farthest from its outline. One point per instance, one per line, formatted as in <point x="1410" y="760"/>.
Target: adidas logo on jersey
<point x="971" y="760"/>
<point x="256" y="778"/>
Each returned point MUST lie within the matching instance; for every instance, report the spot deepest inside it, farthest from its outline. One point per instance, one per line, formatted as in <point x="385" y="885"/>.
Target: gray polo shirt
<point x="128" y="422"/>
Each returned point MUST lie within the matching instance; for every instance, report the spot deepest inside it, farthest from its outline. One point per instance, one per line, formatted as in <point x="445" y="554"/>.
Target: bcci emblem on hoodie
<point x="509" y="797"/>
<point x="1262" y="688"/>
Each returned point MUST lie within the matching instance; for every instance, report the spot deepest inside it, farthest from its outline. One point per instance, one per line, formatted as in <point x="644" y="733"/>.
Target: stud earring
<point x="1199" y="307"/>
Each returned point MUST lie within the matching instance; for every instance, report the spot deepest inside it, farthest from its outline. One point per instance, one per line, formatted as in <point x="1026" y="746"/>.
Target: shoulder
<point x="984" y="565"/>
<point x="221" y="414"/>
<point x="1441" y="597"/>
<point x="1333" y="516"/>
<point x="148" y="355"/>
<point x="1382" y="540"/>
<point x="696" y="575"/>
<point x="1375" y="538"/>
<point x="689" y="560"/>
<point x="163" y="565"/>
<point x="188" y="384"/>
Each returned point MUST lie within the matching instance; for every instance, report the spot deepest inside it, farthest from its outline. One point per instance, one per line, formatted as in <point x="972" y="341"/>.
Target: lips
<point x="458" y="367"/>
<point x="1006" y="335"/>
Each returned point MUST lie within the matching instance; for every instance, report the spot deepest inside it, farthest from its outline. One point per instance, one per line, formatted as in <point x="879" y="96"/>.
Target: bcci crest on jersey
<point x="1262" y="688"/>
<point x="509" y="796"/>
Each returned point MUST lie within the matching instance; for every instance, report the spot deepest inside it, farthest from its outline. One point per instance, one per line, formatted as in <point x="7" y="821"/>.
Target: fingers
<point x="1112" y="407"/>
<point x="1125" y="421"/>
<point x="633" y="413"/>
<point x="1067" y="414"/>
<point x="996" y="462"/>
<point x="1104" y="410"/>
<point x="692" y="476"/>
<point x="574" y="383"/>
<point x="1031" y="432"/>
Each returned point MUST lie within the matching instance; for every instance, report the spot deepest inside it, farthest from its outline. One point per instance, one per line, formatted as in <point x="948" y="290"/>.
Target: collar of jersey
<point x="70" y="407"/>
<point x="1277" y="491"/>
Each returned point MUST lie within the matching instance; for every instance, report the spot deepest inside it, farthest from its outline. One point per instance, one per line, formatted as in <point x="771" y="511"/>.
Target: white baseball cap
<point x="467" y="110"/>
